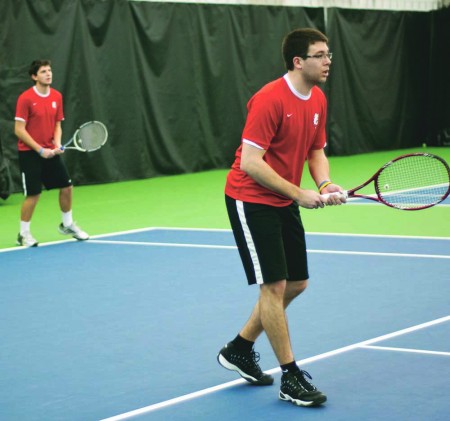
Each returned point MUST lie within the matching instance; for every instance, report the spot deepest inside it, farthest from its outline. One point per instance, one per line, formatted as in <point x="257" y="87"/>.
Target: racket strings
<point x="91" y="136"/>
<point x="414" y="182"/>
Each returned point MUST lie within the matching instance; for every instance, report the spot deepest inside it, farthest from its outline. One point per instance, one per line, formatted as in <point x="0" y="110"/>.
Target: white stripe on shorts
<point x="24" y="184"/>
<point x="250" y="243"/>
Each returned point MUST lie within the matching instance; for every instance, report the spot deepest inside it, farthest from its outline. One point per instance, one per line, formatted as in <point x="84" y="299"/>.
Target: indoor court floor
<point x="128" y="325"/>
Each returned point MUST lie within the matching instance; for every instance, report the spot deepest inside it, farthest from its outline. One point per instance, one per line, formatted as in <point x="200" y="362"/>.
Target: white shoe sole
<point x="320" y="400"/>
<point x="224" y="363"/>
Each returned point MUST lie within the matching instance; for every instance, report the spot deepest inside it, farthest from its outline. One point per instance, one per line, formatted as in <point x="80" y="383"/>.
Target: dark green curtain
<point x="379" y="85"/>
<point x="197" y="66"/>
<point x="439" y="82"/>
<point x="171" y="80"/>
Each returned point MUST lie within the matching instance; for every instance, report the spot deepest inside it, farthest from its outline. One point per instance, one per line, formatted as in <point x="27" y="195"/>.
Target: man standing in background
<point x="39" y="113"/>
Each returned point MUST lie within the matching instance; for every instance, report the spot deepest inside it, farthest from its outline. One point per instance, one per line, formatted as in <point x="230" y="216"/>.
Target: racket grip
<point x="343" y="194"/>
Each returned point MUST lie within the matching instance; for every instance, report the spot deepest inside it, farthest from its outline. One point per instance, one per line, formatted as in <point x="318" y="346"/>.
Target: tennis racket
<point x="88" y="138"/>
<point x="410" y="182"/>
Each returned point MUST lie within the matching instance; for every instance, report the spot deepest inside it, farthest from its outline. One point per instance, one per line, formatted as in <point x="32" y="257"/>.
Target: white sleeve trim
<point x="249" y="142"/>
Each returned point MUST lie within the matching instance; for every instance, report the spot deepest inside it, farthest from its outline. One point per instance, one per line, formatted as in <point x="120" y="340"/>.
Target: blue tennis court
<point x="128" y="325"/>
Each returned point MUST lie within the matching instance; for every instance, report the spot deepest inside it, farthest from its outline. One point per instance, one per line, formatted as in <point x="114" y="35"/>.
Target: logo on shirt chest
<point x="43" y="108"/>
<point x="316" y="119"/>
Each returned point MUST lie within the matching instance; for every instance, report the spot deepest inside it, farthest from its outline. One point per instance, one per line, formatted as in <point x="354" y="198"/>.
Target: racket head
<point x="413" y="181"/>
<point x="90" y="136"/>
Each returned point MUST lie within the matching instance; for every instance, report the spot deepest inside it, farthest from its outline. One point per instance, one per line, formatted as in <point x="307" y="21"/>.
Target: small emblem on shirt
<point x="54" y="104"/>
<point x="288" y="115"/>
<point x="316" y="119"/>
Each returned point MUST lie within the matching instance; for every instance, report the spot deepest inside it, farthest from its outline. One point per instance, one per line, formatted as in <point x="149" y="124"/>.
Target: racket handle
<point x="343" y="194"/>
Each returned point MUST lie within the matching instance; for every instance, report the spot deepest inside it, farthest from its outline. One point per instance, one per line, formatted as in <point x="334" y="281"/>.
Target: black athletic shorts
<point x="37" y="171"/>
<point x="270" y="240"/>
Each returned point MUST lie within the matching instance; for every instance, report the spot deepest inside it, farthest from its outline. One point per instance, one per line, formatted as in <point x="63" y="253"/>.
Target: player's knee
<point x="274" y="288"/>
<point x="297" y="287"/>
<point x="32" y="198"/>
<point x="66" y="191"/>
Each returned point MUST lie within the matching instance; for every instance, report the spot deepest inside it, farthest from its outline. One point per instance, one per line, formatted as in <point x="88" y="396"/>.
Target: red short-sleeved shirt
<point x="287" y="125"/>
<point x="40" y="114"/>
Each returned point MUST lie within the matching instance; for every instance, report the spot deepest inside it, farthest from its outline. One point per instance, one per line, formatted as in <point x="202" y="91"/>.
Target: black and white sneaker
<point x="245" y="363"/>
<point x="298" y="390"/>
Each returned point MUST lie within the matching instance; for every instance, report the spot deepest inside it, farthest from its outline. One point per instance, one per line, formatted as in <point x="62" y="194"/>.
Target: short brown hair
<point x="36" y="65"/>
<point x="297" y="42"/>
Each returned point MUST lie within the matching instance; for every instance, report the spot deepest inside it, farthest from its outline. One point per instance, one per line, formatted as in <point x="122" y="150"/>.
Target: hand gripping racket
<point x="410" y="182"/>
<point x="89" y="137"/>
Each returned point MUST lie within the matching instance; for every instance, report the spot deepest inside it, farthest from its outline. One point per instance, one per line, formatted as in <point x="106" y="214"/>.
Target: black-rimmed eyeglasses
<point x="320" y="56"/>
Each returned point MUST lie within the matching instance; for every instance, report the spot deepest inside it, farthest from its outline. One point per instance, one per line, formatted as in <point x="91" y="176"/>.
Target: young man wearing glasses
<point x="285" y="127"/>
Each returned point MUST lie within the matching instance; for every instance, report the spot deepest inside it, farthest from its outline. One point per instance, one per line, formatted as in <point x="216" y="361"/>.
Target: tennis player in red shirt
<point x="39" y="113"/>
<point x="285" y="128"/>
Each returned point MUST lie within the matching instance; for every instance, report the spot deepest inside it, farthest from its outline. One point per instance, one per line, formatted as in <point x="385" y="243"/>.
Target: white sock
<point x="24" y="226"/>
<point x="67" y="218"/>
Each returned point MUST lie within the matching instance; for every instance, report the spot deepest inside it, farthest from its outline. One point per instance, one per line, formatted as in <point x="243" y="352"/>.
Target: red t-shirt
<point x="285" y="124"/>
<point x="40" y="114"/>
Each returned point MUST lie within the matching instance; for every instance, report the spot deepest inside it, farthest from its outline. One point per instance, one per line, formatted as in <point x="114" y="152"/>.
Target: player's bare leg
<point x="28" y="206"/>
<point x="273" y="320"/>
<point x="24" y="237"/>
<point x="253" y="327"/>
<point x="65" y="199"/>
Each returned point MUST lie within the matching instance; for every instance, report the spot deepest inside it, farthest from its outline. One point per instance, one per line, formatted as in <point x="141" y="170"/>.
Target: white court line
<point x="155" y="244"/>
<point x="209" y="390"/>
<point x="405" y="237"/>
<point x="138" y="230"/>
<point x="212" y="246"/>
<point x="338" y="234"/>
<point x="417" y="351"/>
<point x="373" y="253"/>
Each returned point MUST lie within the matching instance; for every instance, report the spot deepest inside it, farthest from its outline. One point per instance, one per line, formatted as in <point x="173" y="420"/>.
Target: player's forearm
<point x="57" y="136"/>
<point x="319" y="167"/>
<point x="263" y="174"/>
<point x="26" y="138"/>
